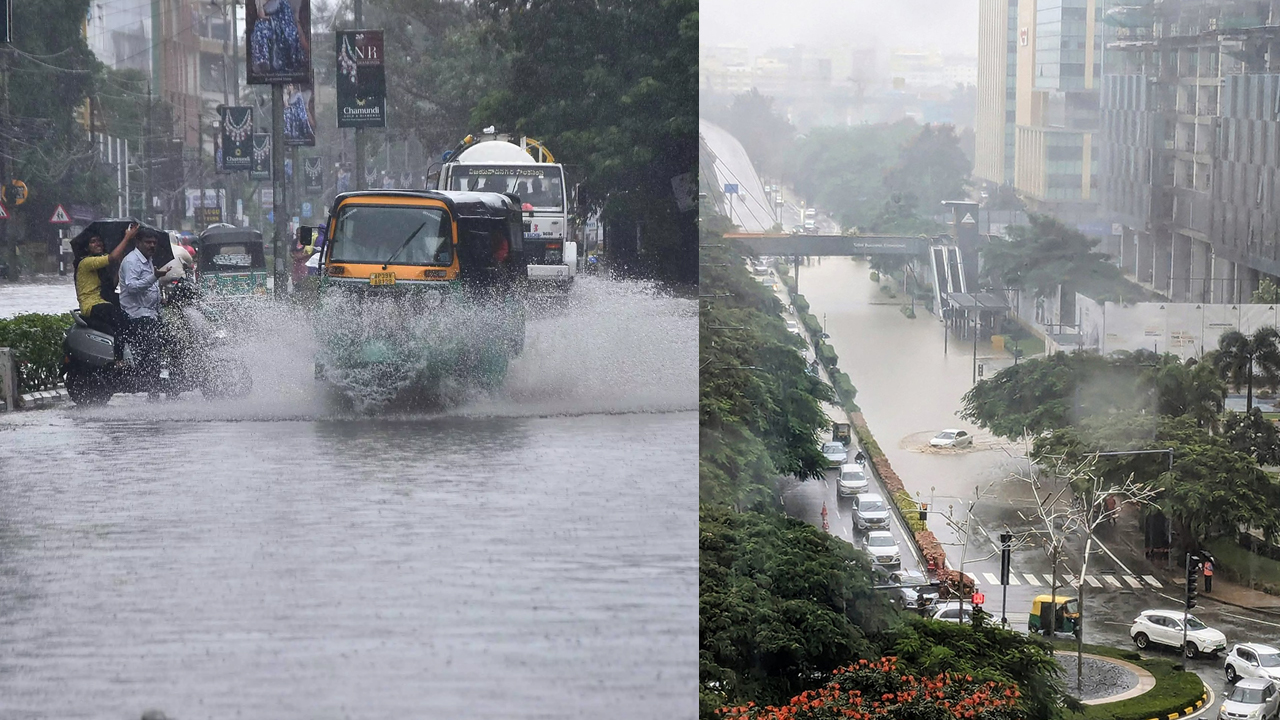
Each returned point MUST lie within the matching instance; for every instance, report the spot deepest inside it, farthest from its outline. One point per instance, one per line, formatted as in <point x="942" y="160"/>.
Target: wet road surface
<point x="528" y="555"/>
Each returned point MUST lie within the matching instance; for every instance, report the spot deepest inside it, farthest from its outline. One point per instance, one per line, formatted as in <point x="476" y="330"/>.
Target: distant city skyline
<point x="948" y="26"/>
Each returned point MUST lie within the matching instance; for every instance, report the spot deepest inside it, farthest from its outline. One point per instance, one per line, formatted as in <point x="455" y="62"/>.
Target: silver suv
<point x="870" y="512"/>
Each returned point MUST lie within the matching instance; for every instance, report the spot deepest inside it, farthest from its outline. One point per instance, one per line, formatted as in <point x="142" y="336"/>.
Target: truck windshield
<point x="542" y="186"/>
<point x="367" y="234"/>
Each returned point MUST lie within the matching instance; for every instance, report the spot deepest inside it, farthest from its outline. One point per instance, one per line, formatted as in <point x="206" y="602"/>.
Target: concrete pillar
<point x="1181" y="280"/>
<point x="1201" y="272"/>
<point x="1162" y="262"/>
<point x="1129" y="251"/>
<point x="8" y="379"/>
<point x="1142" y="261"/>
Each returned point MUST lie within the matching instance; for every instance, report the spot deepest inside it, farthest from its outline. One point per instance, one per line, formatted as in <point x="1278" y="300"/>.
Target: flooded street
<point x="530" y="554"/>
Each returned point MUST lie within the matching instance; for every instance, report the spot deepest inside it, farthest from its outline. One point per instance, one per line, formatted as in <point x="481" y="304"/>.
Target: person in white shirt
<point x="140" y="300"/>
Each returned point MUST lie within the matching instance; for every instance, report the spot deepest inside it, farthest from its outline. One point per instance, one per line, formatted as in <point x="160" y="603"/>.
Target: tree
<point x="880" y="689"/>
<point x="1268" y="293"/>
<point x="612" y="86"/>
<point x="1192" y="388"/>
<point x="1253" y="434"/>
<point x="51" y="73"/>
<point x="1063" y="389"/>
<point x="1211" y="490"/>
<point x="1046" y="254"/>
<point x="764" y="133"/>
<point x="932" y="167"/>
<point x="1241" y="357"/>
<point x="781" y="605"/>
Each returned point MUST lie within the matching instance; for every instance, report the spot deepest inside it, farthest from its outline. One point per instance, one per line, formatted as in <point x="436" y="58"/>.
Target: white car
<point x="870" y="512"/>
<point x="1164" y="627"/>
<point x="1251" y="699"/>
<point x="882" y="548"/>
<point x="853" y="480"/>
<point x="1252" y="660"/>
<point x="955" y="611"/>
<point x="836" y="453"/>
<point x="951" y="439"/>
<point x="793" y="327"/>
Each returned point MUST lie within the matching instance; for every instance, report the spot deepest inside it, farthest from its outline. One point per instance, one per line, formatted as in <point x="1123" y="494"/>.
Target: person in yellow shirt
<point x="91" y="270"/>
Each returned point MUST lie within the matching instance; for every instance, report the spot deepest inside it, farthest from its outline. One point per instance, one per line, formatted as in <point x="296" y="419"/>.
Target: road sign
<point x="968" y="219"/>
<point x="731" y="188"/>
<point x="60" y="217"/>
<point x="306" y="209"/>
<point x="4" y="214"/>
<point x="16" y="193"/>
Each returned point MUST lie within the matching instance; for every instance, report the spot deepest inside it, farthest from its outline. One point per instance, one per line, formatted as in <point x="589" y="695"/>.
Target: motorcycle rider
<point x="90" y="272"/>
<point x="140" y="300"/>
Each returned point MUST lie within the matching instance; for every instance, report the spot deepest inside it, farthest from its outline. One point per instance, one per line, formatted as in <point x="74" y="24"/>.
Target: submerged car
<point x="1251" y="699"/>
<point x="1164" y="627"/>
<point x="1252" y="660"/>
<point x="951" y="439"/>
<point x="882" y="548"/>
<point x="836" y="453"/>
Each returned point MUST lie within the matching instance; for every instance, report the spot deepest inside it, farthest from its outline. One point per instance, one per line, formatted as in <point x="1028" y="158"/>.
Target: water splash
<point x="616" y="347"/>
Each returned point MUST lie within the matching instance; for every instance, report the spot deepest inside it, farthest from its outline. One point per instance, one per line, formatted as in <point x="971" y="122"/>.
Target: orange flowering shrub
<point x="876" y="690"/>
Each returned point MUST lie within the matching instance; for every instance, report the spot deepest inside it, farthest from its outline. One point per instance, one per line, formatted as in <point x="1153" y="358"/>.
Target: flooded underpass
<point x="530" y="553"/>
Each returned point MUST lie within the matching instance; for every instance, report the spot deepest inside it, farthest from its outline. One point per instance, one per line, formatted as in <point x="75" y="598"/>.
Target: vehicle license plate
<point x="382" y="278"/>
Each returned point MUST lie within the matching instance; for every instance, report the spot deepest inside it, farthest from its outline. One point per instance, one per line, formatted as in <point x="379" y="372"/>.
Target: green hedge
<point x="37" y="343"/>
<point x="1174" y="691"/>
<point x="827" y="355"/>
<point x="844" y="387"/>
<point x="801" y="305"/>
<point x="810" y="323"/>
<point x="910" y="511"/>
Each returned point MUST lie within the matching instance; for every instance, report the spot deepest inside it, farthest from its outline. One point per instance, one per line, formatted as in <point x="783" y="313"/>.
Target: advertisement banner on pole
<point x="237" y="138"/>
<point x="278" y="41"/>
<point x="299" y="115"/>
<point x="261" y="169"/>
<point x="315" y="174"/>
<point x="362" y="80"/>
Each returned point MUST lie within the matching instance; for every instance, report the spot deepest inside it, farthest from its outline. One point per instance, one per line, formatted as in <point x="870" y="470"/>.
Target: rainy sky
<point x="950" y="26"/>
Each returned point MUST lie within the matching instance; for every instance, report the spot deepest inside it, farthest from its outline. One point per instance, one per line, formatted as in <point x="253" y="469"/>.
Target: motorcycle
<point x="193" y="356"/>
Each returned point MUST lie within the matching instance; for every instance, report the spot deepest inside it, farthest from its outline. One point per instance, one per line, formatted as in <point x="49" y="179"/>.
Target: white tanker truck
<point x="522" y="167"/>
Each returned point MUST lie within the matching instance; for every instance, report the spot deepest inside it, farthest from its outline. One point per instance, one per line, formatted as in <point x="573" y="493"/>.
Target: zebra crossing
<point x="1067" y="580"/>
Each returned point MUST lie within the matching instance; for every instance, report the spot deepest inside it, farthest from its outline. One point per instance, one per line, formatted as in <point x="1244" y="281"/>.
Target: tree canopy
<point x="1063" y="389"/>
<point x="1211" y="489"/>
<point x="1045" y="254"/>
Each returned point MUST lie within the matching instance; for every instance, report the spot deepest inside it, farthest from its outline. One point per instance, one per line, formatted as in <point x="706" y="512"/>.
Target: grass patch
<point x="1031" y="346"/>
<point x="1238" y="565"/>
<point x="1175" y="689"/>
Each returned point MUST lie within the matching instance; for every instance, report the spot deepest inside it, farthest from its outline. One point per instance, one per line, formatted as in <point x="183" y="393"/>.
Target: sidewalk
<point x="1224" y="592"/>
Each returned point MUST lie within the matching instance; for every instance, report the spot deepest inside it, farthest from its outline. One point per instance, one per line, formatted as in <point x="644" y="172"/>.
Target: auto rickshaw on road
<point x="842" y="433"/>
<point x="1066" y="614"/>
<point x="422" y="294"/>
<point x="230" y="261"/>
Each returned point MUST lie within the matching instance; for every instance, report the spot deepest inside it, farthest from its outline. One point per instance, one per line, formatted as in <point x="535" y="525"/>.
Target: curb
<point x="39" y="399"/>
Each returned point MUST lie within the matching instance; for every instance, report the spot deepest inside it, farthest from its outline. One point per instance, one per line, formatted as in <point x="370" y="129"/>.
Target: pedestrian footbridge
<point x="812" y="245"/>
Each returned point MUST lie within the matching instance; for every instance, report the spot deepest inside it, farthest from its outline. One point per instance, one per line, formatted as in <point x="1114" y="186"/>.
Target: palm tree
<point x="1241" y="357"/>
<point x="1191" y="388"/>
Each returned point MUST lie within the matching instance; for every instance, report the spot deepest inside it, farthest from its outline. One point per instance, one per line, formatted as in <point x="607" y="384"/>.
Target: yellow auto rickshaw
<point x="1066" y="617"/>
<point x="841" y="433"/>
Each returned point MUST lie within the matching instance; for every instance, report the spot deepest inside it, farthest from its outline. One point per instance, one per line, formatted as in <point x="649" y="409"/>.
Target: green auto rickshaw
<point x="1066" y="617"/>
<point x="231" y="261"/>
